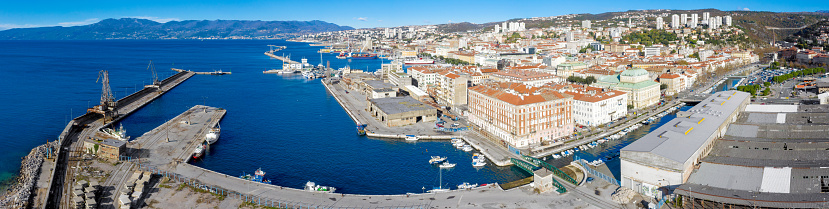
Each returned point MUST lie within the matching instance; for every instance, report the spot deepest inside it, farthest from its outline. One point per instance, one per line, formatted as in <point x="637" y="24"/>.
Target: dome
<point x="634" y="72"/>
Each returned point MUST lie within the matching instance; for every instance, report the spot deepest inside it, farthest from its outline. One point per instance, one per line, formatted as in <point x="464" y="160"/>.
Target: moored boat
<point x="213" y="135"/>
<point x="411" y="138"/>
<point x="447" y="165"/>
<point x="313" y="187"/>
<point x="198" y="152"/>
<point x="437" y="159"/>
<point x="258" y="176"/>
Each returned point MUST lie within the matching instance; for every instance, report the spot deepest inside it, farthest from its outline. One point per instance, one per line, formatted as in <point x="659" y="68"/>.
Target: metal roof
<point x="395" y="105"/>
<point x="681" y="137"/>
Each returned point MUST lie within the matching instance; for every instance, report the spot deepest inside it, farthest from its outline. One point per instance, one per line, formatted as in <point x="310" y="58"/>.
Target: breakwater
<point x="19" y="195"/>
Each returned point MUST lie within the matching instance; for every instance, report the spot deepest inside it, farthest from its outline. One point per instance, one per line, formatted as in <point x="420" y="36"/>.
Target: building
<point x="675" y="21"/>
<point x="423" y="75"/>
<point x="659" y="23"/>
<point x="665" y="158"/>
<point x="727" y="21"/>
<point x="772" y="156"/>
<point x="595" y="106"/>
<point x="641" y="90"/>
<point x="375" y="89"/>
<point x="652" y="51"/>
<point x="565" y="70"/>
<point x="526" y="77"/>
<point x="705" y="17"/>
<point x="401" y="111"/>
<point x="692" y="23"/>
<point x="585" y="24"/>
<point x="451" y="89"/>
<point x="683" y="19"/>
<point x="675" y="82"/>
<point x="520" y="115"/>
<point x="107" y="148"/>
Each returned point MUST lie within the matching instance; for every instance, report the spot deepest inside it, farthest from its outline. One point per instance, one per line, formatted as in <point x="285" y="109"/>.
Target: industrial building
<point x="666" y="157"/>
<point x="773" y="156"/>
<point x="401" y="111"/>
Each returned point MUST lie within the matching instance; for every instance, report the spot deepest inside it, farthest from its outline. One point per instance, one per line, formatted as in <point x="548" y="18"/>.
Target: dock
<point x="219" y="72"/>
<point x="283" y="59"/>
<point x="174" y="141"/>
<point x="71" y="139"/>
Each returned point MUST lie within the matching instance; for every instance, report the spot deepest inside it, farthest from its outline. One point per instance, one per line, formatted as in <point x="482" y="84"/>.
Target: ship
<point x="198" y="152"/>
<point x="258" y="176"/>
<point x="213" y="135"/>
<point x="364" y="56"/>
<point x="119" y="133"/>
<point x="341" y="56"/>
<point x="419" y="61"/>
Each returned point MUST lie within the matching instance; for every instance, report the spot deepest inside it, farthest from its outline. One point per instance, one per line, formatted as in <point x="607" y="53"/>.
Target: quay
<point x="219" y="72"/>
<point x="283" y="59"/>
<point x="174" y="141"/>
<point x="70" y="142"/>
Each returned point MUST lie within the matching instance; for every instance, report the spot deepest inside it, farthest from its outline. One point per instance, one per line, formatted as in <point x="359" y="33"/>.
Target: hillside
<point x="132" y="28"/>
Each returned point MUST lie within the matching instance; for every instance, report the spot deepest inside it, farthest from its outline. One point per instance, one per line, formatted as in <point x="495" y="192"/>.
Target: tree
<point x="663" y="86"/>
<point x="767" y="84"/>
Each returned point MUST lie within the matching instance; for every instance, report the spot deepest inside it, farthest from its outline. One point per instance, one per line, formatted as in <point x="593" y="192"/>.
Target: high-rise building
<point x="497" y="29"/>
<point x="693" y="22"/>
<point x="705" y="17"/>
<point x="727" y="21"/>
<point x="712" y="23"/>
<point x="659" y="23"/>
<point x="585" y="24"/>
<point x="683" y="19"/>
<point x="674" y="21"/>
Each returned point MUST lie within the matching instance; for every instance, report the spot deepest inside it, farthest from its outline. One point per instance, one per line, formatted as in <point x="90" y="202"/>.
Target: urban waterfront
<point x="273" y="121"/>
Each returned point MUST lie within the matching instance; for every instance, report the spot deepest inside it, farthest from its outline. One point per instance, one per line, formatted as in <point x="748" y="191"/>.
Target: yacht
<point x="313" y="187"/>
<point x="212" y="135"/>
<point x="437" y="159"/>
<point x="411" y="138"/>
<point x="467" y="148"/>
<point x="447" y="165"/>
<point x="478" y="160"/>
<point x="467" y="185"/>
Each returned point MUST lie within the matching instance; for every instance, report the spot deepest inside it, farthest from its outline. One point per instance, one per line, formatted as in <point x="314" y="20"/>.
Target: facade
<point x="526" y="77"/>
<point x="642" y="92"/>
<point x="675" y="82"/>
<point x="423" y="75"/>
<point x="451" y="89"/>
<point x="565" y="70"/>
<point x="659" y="23"/>
<point x="401" y="111"/>
<point x="585" y="24"/>
<point x="652" y="51"/>
<point x="666" y="157"/>
<point x="595" y="106"/>
<point x="520" y="115"/>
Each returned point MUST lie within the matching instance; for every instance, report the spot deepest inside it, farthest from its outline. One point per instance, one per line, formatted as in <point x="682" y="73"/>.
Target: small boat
<point x="313" y="187"/>
<point x="456" y="140"/>
<point x="198" y="152"/>
<point x="341" y="56"/>
<point x="361" y="129"/>
<point x="213" y="135"/>
<point x="447" y="165"/>
<point x="467" y="148"/>
<point x="437" y="159"/>
<point x="478" y="163"/>
<point x="460" y="145"/>
<point x="556" y="156"/>
<point x="478" y="160"/>
<point x="258" y="176"/>
<point x="411" y="138"/>
<point x="467" y="185"/>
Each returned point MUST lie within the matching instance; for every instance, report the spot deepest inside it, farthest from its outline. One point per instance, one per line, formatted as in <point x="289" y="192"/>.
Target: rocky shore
<point x="19" y="194"/>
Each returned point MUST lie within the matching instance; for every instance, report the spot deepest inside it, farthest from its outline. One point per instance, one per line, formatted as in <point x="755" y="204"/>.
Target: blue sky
<point x="358" y="14"/>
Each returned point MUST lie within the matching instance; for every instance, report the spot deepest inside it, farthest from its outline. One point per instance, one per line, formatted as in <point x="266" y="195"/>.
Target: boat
<point x="411" y="138"/>
<point x="309" y="75"/>
<point x="313" y="187"/>
<point x="219" y="72"/>
<point x="419" y="61"/>
<point x="447" y="165"/>
<point x="467" y="185"/>
<point x="556" y="156"/>
<point x="456" y="140"/>
<point x="361" y="129"/>
<point x="198" y="152"/>
<point x="119" y="134"/>
<point x="460" y="145"/>
<point x="212" y="135"/>
<point x="478" y="163"/>
<point x="436" y="160"/>
<point x="478" y="160"/>
<point x="364" y="56"/>
<point x="258" y="176"/>
<point x="439" y="188"/>
<point x="466" y="148"/>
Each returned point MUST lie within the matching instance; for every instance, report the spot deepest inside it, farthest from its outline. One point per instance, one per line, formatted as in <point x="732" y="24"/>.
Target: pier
<point x="70" y="141"/>
<point x="219" y="72"/>
<point x="283" y="59"/>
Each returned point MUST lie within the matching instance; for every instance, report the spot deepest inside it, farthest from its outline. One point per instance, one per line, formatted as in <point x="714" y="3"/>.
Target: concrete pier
<point x="174" y="141"/>
<point x="284" y="59"/>
<point x="202" y="73"/>
<point x="71" y="139"/>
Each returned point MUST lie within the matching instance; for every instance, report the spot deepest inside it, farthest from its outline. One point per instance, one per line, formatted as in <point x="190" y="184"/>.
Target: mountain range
<point x="134" y="28"/>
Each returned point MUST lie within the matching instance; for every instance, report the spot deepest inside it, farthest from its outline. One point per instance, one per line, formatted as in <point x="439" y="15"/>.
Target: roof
<point x="681" y="137"/>
<point x="113" y="142"/>
<point x="395" y="105"/>
<point x="634" y="72"/>
<point x="518" y="94"/>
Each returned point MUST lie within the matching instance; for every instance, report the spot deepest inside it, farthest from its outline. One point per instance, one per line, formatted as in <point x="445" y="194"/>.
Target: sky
<point x="358" y="14"/>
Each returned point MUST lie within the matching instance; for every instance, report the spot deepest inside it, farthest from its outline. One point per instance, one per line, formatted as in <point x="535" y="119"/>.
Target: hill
<point x="132" y="28"/>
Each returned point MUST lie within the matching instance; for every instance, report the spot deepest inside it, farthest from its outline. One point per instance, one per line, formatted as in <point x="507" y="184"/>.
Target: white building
<point x="693" y="22"/>
<point x="705" y="17"/>
<point x="585" y="24"/>
<point x="727" y="21"/>
<point x="651" y="51"/>
<point x="683" y="19"/>
<point x="595" y="106"/>
<point x="675" y="21"/>
<point x="659" y="23"/>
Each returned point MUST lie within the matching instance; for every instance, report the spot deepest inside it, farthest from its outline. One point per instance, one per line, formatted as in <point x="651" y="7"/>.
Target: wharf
<point x="202" y="73"/>
<point x="284" y="59"/>
<point x="174" y="141"/>
<point x="355" y="106"/>
<point x="86" y="126"/>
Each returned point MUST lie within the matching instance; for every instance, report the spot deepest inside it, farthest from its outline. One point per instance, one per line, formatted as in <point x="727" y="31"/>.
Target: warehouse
<point x="401" y="111"/>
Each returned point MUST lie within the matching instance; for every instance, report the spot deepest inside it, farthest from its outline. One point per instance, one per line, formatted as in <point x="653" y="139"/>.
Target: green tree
<point x="663" y="86"/>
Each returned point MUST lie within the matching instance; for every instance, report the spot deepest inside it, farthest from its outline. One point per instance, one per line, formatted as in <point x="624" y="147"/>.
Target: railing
<point x="252" y="199"/>
<point x="552" y="168"/>
<point x="596" y="173"/>
<point x="530" y="168"/>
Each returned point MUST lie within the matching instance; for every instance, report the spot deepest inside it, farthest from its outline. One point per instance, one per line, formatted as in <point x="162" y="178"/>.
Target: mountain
<point x="133" y="28"/>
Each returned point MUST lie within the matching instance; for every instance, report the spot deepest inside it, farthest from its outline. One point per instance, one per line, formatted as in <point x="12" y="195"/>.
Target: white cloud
<point x="746" y="9"/>
<point x="85" y="22"/>
<point x="157" y="19"/>
<point x="361" y="18"/>
<point x="10" y="26"/>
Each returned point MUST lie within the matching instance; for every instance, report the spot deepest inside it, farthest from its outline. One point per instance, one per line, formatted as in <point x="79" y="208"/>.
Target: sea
<point x="288" y="126"/>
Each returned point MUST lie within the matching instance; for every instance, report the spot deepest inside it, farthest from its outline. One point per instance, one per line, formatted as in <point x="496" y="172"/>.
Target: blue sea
<point x="286" y="125"/>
